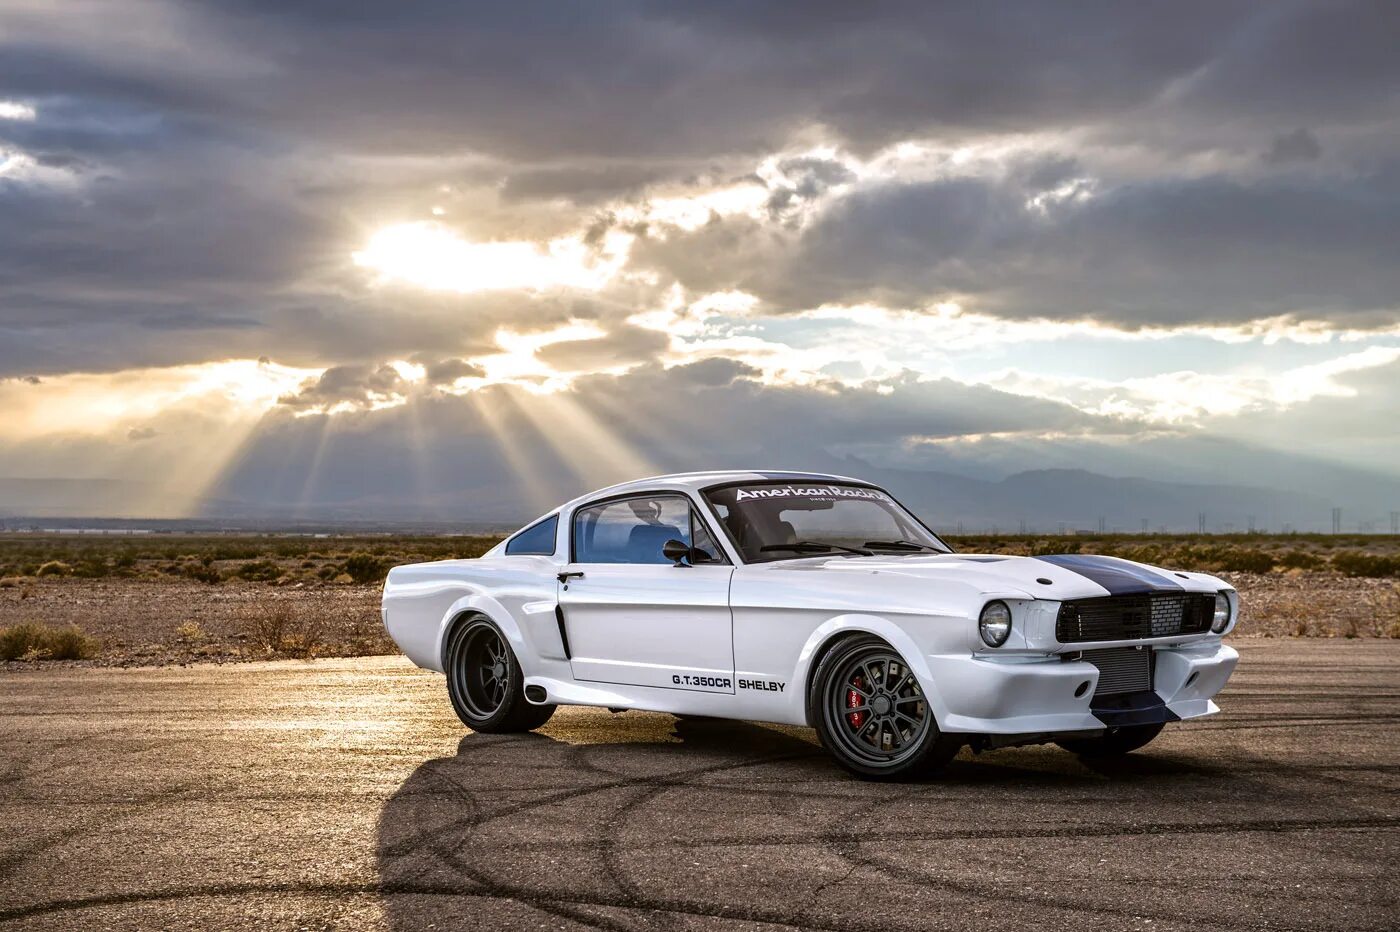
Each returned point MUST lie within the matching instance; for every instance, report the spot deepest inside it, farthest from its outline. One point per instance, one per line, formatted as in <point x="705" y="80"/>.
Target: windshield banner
<point x="816" y="492"/>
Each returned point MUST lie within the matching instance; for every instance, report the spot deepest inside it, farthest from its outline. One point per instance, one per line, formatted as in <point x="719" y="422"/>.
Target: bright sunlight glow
<point x="432" y="255"/>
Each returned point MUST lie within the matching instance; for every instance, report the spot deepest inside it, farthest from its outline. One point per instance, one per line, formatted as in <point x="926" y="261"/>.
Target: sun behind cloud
<point x="432" y="255"/>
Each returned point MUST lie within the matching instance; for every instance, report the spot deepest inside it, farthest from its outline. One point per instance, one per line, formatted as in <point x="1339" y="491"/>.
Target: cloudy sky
<point x="353" y="252"/>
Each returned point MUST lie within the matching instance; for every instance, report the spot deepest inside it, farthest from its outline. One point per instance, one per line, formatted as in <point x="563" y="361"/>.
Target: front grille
<point x="1134" y="617"/>
<point x="1121" y="669"/>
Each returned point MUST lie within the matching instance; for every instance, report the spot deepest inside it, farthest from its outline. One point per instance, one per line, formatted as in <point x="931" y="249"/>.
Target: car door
<point x="633" y="617"/>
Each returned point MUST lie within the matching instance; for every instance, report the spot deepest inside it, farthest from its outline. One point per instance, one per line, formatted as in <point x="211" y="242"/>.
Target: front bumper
<point x="1012" y="695"/>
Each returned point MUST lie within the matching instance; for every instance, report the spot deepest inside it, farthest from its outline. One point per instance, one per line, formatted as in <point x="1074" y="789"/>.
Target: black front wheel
<point x="484" y="680"/>
<point x="1113" y="742"/>
<point x="871" y="713"/>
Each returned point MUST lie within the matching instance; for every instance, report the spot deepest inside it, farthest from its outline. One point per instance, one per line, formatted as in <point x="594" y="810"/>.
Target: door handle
<point x="564" y="576"/>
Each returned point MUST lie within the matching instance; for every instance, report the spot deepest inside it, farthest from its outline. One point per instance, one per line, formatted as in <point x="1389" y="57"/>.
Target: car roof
<point x="694" y="481"/>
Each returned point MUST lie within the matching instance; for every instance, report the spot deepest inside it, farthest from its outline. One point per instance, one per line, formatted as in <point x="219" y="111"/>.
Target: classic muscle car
<point x="812" y="600"/>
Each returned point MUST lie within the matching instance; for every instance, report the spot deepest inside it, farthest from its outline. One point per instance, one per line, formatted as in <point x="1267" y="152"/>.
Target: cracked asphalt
<point x="344" y="794"/>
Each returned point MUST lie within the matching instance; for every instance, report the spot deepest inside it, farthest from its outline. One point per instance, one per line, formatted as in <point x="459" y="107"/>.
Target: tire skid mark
<point x="1262" y="826"/>
<point x="12" y="861"/>
<point x="453" y="844"/>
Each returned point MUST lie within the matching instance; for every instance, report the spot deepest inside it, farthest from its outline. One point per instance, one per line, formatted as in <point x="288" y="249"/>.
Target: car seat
<point x="645" y="541"/>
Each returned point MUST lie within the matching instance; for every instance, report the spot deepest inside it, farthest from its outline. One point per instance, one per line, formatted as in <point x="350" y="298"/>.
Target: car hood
<point x="1054" y="576"/>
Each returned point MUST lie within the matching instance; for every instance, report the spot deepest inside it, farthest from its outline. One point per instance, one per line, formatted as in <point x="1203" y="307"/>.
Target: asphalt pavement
<point x="344" y="794"/>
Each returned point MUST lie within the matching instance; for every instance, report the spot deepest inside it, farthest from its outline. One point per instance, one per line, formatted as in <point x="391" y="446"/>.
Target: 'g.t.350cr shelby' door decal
<point x="723" y="682"/>
<point x="703" y="682"/>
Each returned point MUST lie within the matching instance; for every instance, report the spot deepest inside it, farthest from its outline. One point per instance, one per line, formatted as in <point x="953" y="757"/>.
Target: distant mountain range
<point x="1045" y="500"/>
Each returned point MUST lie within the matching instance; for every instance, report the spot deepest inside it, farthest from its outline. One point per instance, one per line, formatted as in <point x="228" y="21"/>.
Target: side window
<point x="632" y="530"/>
<point x="536" y="539"/>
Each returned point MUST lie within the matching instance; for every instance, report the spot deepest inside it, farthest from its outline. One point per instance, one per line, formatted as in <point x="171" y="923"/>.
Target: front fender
<point x="883" y="628"/>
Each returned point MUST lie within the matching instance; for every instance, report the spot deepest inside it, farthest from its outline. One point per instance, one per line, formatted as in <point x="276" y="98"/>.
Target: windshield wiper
<point x="909" y="545"/>
<point x="814" y="546"/>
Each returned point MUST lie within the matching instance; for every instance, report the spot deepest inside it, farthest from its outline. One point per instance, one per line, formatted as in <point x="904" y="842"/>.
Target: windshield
<point x="780" y="521"/>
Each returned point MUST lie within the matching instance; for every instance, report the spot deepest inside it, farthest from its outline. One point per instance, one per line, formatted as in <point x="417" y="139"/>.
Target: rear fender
<point x="479" y="603"/>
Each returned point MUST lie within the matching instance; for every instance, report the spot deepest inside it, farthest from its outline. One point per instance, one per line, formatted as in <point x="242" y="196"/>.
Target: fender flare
<point x="858" y="623"/>
<point x="479" y="603"/>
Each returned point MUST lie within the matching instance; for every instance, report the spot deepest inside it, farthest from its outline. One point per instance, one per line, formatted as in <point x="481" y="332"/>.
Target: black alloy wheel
<point x="872" y="715"/>
<point x="484" y="680"/>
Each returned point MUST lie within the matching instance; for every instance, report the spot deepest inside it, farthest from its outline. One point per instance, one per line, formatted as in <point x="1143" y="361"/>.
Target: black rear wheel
<point x="1113" y="741"/>
<point x="871" y="713"/>
<point x="484" y="680"/>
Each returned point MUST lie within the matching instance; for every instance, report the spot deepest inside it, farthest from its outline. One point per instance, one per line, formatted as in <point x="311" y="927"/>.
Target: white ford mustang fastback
<point x="812" y="600"/>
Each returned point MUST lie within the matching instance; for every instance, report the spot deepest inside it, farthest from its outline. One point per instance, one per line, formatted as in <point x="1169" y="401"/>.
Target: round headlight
<point x="995" y="624"/>
<point x="1221" y="621"/>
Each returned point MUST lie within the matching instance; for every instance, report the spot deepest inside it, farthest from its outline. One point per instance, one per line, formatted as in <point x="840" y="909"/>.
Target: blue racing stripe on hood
<point x="1119" y="577"/>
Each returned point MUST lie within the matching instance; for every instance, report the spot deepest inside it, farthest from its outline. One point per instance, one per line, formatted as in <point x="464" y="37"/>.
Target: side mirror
<point x="677" y="551"/>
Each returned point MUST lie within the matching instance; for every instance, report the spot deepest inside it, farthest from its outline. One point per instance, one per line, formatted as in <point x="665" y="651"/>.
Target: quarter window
<point x="537" y="539"/>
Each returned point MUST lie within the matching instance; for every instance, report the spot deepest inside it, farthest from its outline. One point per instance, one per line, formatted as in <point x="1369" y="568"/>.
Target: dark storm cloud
<point x="1170" y="252"/>
<point x="580" y="184"/>
<point x="532" y="80"/>
<point x="219" y="162"/>
<point x="715" y="371"/>
<point x="623" y="345"/>
<point x="356" y="385"/>
<point x="447" y="371"/>
<point x="1297" y="146"/>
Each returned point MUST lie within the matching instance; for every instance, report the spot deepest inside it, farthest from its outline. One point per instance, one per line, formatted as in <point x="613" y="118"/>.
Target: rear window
<point x="537" y="539"/>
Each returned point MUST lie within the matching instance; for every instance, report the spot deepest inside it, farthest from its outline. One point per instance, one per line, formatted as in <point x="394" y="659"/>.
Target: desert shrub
<point x="282" y="631"/>
<point x="1356" y="563"/>
<point x="362" y="634"/>
<point x="1298" y="560"/>
<point x="1141" y="553"/>
<point x="1244" y="560"/>
<point x="54" y="568"/>
<point x="91" y="568"/>
<point x="204" y="572"/>
<point x="27" y="641"/>
<point x="365" y="567"/>
<point x="190" y="632"/>
<point x="264" y="570"/>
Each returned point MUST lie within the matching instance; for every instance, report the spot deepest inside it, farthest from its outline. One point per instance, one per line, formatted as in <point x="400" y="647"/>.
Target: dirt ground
<point x="172" y="621"/>
<point x="344" y="795"/>
<point x="164" y="621"/>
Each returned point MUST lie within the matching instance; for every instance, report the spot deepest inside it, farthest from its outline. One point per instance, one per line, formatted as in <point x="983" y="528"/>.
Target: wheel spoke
<point x="895" y="741"/>
<point x="913" y="722"/>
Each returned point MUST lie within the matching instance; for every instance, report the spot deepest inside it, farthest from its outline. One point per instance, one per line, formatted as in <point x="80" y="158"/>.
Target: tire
<point x="484" y="680"/>
<point x="875" y="730"/>
<point x="1113" y="742"/>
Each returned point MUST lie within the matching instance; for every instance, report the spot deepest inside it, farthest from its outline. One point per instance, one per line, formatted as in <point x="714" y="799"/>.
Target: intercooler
<point x="1121" y="669"/>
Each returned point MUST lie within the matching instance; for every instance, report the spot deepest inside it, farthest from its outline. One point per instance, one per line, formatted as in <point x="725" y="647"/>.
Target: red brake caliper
<point x="853" y="700"/>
